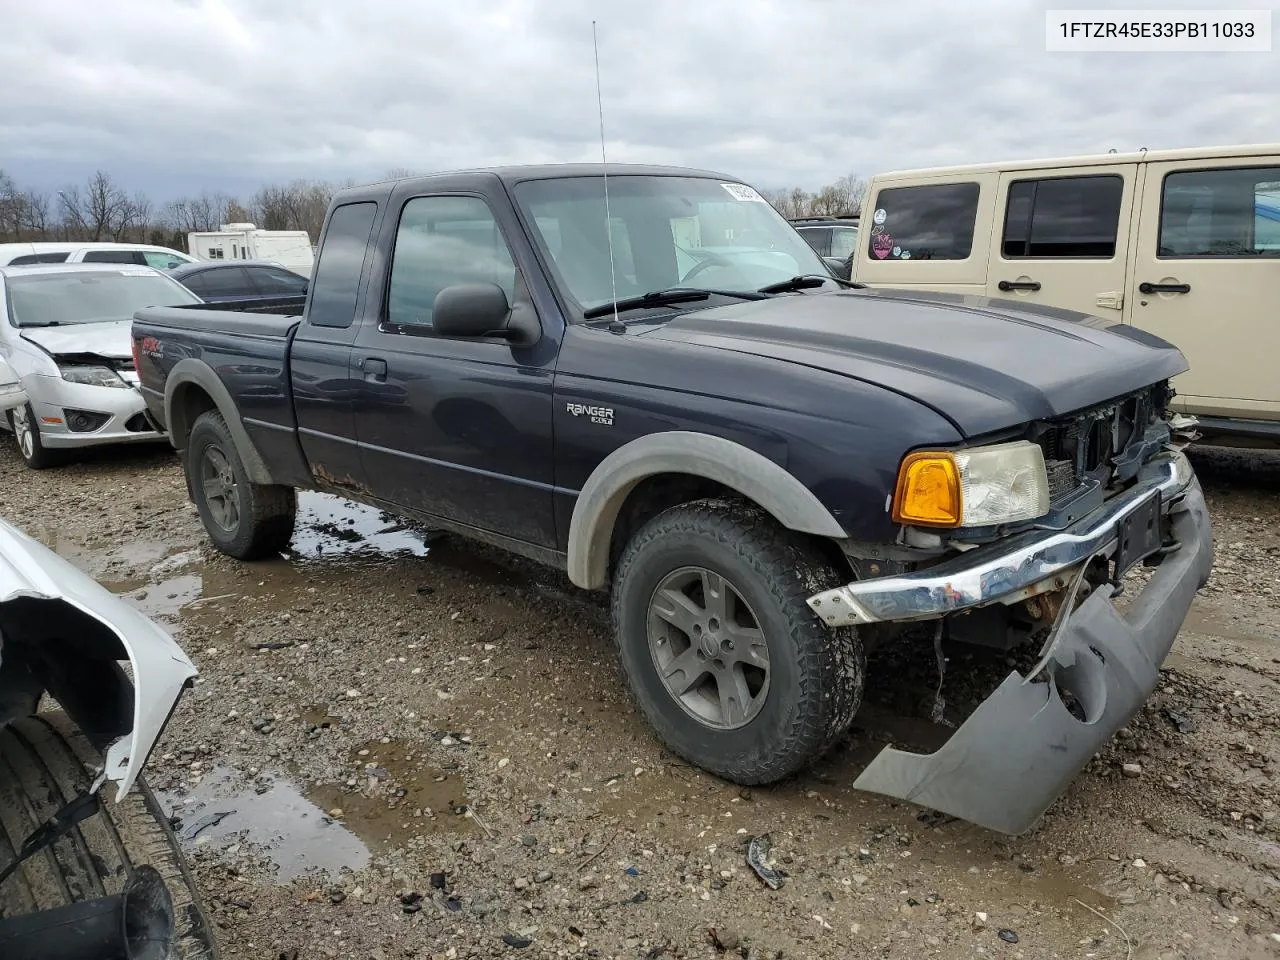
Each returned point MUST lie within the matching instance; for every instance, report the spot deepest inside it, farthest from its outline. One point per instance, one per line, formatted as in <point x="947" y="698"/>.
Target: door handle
<point x="1164" y="288"/>
<point x="374" y="369"/>
<point x="1007" y="285"/>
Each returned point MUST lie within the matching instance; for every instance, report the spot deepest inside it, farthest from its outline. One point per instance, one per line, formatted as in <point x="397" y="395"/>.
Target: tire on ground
<point x="266" y="513"/>
<point x="42" y="457"/>
<point x="816" y="673"/>
<point x="45" y="763"/>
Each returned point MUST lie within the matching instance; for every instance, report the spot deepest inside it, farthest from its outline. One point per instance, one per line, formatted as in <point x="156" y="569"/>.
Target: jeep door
<point x="1061" y="237"/>
<point x="1207" y="278"/>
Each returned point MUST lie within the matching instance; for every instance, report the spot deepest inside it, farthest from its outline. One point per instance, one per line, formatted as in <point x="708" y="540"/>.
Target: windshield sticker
<point x="906" y="255"/>
<point x="897" y="251"/>
<point x="881" y="244"/>
<point x="880" y="216"/>
<point x="740" y="191"/>
<point x="877" y="230"/>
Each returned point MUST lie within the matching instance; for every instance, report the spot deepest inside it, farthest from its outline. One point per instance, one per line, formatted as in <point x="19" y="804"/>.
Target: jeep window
<point x="667" y="232"/>
<point x="1221" y="213"/>
<point x="337" y="278"/>
<point x="442" y="241"/>
<point x="933" y="222"/>
<point x="1063" y="217"/>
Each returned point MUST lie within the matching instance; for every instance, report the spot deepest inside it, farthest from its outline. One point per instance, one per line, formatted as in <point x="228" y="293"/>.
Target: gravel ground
<point x="407" y="748"/>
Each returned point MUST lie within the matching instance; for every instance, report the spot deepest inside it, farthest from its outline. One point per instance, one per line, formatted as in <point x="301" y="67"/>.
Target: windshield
<point x="94" y="296"/>
<point x="666" y="231"/>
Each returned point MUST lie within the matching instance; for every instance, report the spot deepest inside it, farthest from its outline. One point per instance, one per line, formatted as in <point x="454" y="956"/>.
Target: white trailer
<point x="245" y="241"/>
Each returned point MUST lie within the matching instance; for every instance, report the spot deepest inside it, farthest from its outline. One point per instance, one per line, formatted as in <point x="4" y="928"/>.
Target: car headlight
<point x="94" y="375"/>
<point x="974" y="487"/>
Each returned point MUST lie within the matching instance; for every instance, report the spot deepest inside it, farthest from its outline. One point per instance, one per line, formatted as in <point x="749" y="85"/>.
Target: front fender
<point x="686" y="452"/>
<point x="29" y="571"/>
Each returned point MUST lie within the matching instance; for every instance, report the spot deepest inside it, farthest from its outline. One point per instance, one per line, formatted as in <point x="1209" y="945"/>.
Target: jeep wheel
<point x="722" y="653"/>
<point x="248" y="521"/>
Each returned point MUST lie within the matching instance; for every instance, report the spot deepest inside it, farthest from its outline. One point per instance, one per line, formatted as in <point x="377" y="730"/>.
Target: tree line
<point x="101" y="209"/>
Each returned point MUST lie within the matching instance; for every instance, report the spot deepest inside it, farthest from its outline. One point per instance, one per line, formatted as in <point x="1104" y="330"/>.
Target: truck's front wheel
<point x="723" y="655"/>
<point x="248" y="521"/>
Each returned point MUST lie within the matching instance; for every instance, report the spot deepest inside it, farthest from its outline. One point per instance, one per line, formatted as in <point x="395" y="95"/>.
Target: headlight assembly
<point x="93" y="375"/>
<point x="974" y="487"/>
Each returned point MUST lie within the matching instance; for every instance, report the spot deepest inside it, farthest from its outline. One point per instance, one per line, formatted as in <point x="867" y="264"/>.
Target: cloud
<point x="174" y="95"/>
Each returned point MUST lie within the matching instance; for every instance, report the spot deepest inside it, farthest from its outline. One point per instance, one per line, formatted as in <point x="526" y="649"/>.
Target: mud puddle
<point x="296" y="835"/>
<point x="329" y="527"/>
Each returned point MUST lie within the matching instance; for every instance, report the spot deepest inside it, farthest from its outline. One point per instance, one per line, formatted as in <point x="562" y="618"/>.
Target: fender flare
<point x="198" y="373"/>
<point x="696" y="454"/>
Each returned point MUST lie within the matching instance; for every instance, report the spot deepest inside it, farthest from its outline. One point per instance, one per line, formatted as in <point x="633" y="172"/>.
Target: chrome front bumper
<point x="1020" y="749"/>
<point x="1005" y="569"/>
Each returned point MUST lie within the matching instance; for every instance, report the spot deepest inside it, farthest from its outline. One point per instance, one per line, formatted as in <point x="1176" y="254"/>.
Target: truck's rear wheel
<point x="45" y="763"/>
<point x="248" y="521"/>
<point x="722" y="653"/>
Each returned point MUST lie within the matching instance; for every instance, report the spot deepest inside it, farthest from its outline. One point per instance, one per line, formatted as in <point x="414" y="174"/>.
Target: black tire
<point x="264" y="515"/>
<point x="26" y="432"/>
<point x="44" y="763"/>
<point x="815" y="674"/>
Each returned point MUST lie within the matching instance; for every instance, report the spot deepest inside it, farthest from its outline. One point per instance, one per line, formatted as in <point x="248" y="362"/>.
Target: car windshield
<point x="667" y="232"/>
<point x="46" y="299"/>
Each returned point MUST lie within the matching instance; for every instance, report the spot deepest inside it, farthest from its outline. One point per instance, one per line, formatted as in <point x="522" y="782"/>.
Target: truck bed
<point x="242" y="347"/>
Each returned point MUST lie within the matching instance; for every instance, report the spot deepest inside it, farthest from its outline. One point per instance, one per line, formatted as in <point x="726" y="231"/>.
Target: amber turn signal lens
<point x="928" y="491"/>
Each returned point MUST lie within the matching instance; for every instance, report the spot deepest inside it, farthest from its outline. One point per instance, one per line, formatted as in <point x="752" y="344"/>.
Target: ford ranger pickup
<point x="644" y="377"/>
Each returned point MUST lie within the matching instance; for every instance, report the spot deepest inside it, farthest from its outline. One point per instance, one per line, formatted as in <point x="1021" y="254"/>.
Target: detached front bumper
<point x="1008" y="762"/>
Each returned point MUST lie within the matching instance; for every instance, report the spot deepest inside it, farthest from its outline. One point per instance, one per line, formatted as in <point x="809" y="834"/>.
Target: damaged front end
<point x="1006" y="764"/>
<point x="63" y="634"/>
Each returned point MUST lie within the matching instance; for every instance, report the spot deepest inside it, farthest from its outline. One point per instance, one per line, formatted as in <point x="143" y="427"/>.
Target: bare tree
<point x="37" y="212"/>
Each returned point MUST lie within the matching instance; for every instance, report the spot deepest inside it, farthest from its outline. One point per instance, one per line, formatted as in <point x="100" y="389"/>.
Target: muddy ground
<point x="401" y="747"/>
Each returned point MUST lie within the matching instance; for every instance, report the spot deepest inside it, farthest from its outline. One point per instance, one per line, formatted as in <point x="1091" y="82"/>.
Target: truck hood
<point x="984" y="364"/>
<point x="160" y="669"/>
<point x="109" y="339"/>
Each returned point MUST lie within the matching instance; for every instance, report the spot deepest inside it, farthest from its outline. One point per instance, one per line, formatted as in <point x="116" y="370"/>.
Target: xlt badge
<point x="602" y="415"/>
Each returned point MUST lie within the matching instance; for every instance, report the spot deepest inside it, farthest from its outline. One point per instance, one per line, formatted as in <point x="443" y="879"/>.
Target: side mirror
<point x="839" y="268"/>
<point x="481" y="310"/>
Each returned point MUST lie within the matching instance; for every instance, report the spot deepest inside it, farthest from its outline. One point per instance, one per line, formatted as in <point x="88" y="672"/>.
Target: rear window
<point x="1221" y="213"/>
<point x="29" y="258"/>
<point x="337" y="277"/>
<point x="1063" y="217"/>
<point x="933" y="222"/>
<point x="115" y="256"/>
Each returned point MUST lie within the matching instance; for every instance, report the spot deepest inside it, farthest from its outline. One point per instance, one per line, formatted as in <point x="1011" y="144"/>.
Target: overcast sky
<point x="172" y="96"/>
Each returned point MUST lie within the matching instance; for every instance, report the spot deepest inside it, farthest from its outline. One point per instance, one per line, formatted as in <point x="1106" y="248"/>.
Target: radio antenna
<point x="604" y="168"/>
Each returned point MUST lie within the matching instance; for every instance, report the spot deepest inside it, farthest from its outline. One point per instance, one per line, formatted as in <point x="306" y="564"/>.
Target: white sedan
<point x="66" y="335"/>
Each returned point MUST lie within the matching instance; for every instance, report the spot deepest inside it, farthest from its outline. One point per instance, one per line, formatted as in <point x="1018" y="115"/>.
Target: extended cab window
<point x="442" y="241"/>
<point x="337" y="276"/>
<point x="933" y="222"/>
<point x="1221" y="213"/>
<point x="1063" y="217"/>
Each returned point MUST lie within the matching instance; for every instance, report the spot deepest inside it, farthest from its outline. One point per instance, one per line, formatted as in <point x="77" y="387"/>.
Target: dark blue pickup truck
<point x="649" y="380"/>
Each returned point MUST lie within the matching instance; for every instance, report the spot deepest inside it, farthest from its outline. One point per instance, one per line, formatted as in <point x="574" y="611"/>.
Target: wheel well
<point x="662" y="491"/>
<point x="190" y="400"/>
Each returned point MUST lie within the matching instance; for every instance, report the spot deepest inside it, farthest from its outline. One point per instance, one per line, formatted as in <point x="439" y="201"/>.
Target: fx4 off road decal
<point x="602" y="415"/>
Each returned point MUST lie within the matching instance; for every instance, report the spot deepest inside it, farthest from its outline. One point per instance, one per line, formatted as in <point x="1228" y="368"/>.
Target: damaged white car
<point x="86" y="872"/>
<point x="66" y="336"/>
